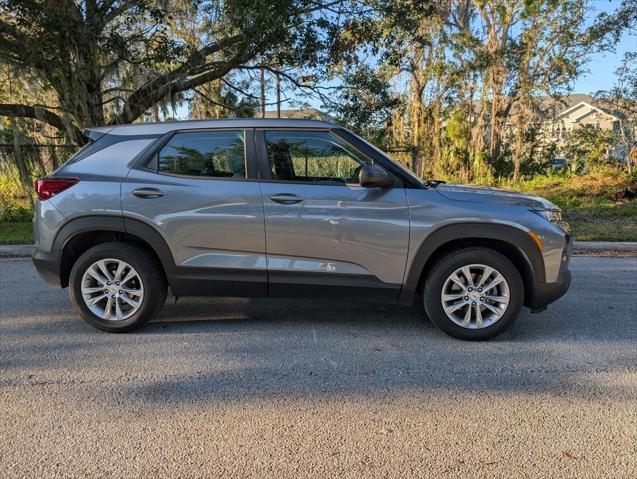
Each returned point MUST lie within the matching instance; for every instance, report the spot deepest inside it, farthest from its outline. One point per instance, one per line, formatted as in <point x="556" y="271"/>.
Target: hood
<point x="483" y="194"/>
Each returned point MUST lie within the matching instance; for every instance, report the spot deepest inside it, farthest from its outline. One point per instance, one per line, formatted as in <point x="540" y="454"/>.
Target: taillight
<point x="51" y="186"/>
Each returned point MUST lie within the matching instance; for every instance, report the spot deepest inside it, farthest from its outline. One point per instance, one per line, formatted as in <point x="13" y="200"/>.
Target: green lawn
<point x="16" y="233"/>
<point x="604" y="223"/>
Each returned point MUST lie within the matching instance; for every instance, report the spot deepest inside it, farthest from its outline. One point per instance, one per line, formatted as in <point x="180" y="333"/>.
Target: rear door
<point x="326" y="234"/>
<point x="199" y="191"/>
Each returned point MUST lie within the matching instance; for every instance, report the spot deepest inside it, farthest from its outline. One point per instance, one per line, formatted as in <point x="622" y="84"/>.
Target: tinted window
<point x="219" y="154"/>
<point x="311" y="156"/>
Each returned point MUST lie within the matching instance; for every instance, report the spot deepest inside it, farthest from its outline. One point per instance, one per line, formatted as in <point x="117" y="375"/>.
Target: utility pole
<point x="278" y="95"/>
<point x="262" y="78"/>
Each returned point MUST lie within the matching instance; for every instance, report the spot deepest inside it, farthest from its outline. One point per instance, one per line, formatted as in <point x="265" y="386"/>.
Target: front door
<point x="326" y="234"/>
<point x="196" y="192"/>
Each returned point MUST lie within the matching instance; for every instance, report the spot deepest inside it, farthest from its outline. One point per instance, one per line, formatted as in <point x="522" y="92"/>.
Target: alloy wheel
<point x="475" y="296"/>
<point x="112" y="289"/>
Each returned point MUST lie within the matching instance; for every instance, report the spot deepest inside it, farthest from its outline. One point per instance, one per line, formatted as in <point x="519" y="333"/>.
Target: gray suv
<point x="286" y="208"/>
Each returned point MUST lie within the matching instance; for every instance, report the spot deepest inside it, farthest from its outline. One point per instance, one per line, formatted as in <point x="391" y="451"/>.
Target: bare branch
<point x="178" y="80"/>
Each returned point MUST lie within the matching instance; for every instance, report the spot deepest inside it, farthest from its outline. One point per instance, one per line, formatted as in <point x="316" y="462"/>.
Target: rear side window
<point x="316" y="156"/>
<point x="216" y="154"/>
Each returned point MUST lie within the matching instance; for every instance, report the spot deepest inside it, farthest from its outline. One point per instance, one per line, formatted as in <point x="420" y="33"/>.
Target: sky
<point x="601" y="75"/>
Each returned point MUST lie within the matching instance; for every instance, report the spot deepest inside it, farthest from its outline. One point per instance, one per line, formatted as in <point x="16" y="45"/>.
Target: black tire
<point x="149" y="270"/>
<point x="443" y="268"/>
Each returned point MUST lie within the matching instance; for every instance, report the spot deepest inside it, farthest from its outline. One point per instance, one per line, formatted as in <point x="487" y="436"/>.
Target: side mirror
<point x="374" y="176"/>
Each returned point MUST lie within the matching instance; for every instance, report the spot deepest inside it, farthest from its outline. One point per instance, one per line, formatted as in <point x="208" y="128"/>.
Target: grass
<point x="598" y="205"/>
<point x="16" y="233"/>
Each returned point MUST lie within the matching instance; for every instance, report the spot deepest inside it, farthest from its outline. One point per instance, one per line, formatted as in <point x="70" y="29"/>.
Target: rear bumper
<point x="48" y="266"/>
<point x="544" y="294"/>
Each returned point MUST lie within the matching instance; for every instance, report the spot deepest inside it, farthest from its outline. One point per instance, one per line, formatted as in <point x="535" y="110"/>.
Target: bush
<point x="15" y="206"/>
<point x="14" y="213"/>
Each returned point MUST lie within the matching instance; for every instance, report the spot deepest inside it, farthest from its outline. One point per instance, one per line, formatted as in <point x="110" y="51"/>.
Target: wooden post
<point x="414" y="160"/>
<point x="278" y="95"/>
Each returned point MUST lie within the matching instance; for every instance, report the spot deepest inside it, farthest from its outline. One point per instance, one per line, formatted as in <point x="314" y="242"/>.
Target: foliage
<point x="622" y="99"/>
<point x="588" y="146"/>
<point x="16" y="233"/>
<point x="489" y="62"/>
<point x="457" y="163"/>
<point x="600" y="205"/>
<point x="112" y="61"/>
<point x="14" y="204"/>
<point x="366" y="103"/>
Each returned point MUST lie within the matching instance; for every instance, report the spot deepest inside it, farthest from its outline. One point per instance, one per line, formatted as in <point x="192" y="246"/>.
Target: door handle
<point x="286" y="198"/>
<point x="148" y="193"/>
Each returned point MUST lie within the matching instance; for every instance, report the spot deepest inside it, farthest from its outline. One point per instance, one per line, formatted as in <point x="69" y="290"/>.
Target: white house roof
<point x="588" y="107"/>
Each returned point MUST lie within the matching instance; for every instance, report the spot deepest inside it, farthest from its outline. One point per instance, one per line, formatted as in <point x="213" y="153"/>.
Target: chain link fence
<point x="37" y="158"/>
<point x="405" y="155"/>
<point x="20" y="166"/>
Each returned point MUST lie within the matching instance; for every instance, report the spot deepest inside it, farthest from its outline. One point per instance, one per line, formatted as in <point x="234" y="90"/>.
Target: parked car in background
<point x="286" y="208"/>
<point x="558" y="164"/>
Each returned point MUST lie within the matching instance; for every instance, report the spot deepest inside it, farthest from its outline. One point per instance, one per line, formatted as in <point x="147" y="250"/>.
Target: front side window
<point x="314" y="156"/>
<point x="217" y="154"/>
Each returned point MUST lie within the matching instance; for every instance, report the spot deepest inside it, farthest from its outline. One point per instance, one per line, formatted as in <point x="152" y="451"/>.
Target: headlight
<point x="554" y="216"/>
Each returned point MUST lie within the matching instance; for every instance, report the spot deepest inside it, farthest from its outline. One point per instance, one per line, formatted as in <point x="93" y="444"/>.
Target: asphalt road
<point x="267" y="388"/>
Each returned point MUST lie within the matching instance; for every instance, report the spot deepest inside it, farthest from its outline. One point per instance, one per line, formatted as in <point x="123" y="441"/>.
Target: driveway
<point x="270" y="388"/>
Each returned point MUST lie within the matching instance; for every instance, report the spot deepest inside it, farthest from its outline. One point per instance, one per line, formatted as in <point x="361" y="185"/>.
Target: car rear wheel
<point x="117" y="287"/>
<point x="473" y="293"/>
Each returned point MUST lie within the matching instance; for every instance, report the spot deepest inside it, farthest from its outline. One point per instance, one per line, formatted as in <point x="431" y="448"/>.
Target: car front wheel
<point x="474" y="293"/>
<point x="117" y="287"/>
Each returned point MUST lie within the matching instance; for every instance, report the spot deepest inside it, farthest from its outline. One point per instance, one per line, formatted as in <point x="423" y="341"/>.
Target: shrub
<point x="13" y="212"/>
<point x="15" y="205"/>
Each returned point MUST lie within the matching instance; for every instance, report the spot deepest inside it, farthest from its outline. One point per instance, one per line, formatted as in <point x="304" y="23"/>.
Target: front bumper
<point x="48" y="266"/>
<point x="544" y="294"/>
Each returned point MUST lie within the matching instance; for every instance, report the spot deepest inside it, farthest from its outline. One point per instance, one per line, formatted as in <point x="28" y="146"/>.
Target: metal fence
<point x="405" y="155"/>
<point x="37" y="158"/>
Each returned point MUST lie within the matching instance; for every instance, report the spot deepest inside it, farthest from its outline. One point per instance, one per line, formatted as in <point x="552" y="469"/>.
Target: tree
<point x="587" y="145"/>
<point x="622" y="100"/>
<point x="216" y="100"/>
<point x="492" y="60"/>
<point x="110" y="61"/>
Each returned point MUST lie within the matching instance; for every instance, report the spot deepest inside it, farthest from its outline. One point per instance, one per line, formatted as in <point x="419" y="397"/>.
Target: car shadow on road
<point x="236" y="349"/>
<point x="294" y="347"/>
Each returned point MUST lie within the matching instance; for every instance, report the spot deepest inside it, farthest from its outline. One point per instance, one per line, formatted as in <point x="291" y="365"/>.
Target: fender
<point x="115" y="224"/>
<point x="84" y="224"/>
<point x="118" y="224"/>
<point x="514" y="237"/>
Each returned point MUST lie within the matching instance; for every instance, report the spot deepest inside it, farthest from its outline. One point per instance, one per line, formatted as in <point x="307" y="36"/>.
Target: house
<point x="558" y="118"/>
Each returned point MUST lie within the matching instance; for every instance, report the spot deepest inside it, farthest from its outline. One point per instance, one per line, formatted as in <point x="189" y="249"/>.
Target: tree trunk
<point x="55" y="163"/>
